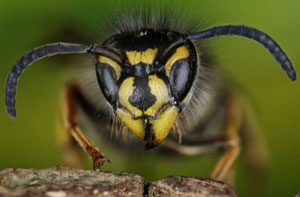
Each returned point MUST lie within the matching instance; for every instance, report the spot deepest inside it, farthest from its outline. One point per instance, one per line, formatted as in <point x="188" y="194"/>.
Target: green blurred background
<point x="30" y="140"/>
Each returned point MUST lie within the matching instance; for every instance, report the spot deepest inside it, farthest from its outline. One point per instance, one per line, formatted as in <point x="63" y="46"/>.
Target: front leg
<point x="72" y="91"/>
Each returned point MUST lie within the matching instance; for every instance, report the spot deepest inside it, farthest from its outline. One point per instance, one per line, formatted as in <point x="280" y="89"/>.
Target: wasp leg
<point x="71" y="90"/>
<point x="229" y="141"/>
<point x="203" y="146"/>
<point x="71" y="151"/>
<point x="231" y="131"/>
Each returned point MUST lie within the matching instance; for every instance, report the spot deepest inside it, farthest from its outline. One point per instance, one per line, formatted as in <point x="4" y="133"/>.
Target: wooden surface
<point x="60" y="181"/>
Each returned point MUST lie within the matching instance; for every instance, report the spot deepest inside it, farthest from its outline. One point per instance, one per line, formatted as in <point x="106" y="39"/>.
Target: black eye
<point x="107" y="80"/>
<point x="181" y="79"/>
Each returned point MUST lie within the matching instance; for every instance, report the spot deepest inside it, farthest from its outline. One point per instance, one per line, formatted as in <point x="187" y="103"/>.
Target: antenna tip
<point x="12" y="113"/>
<point x="292" y="74"/>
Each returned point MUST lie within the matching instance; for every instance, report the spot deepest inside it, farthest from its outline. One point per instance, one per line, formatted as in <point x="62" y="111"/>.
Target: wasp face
<point x="146" y="89"/>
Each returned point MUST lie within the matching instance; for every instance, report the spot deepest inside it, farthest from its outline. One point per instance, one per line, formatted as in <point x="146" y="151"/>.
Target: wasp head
<point x="148" y="84"/>
<point x="145" y="75"/>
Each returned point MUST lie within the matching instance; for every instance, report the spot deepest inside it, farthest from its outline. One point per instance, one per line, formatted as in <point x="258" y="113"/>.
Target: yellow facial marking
<point x="136" y="126"/>
<point x="112" y="63"/>
<point x="164" y="121"/>
<point x="163" y="124"/>
<point x="160" y="90"/>
<point x="147" y="57"/>
<point x="181" y="53"/>
<point x="125" y="91"/>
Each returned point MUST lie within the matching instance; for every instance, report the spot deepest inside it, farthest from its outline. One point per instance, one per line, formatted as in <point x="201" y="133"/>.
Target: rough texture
<point x="184" y="186"/>
<point x="64" y="181"/>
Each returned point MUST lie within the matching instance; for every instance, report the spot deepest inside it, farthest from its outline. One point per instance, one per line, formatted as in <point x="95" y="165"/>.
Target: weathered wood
<point x="188" y="187"/>
<point x="63" y="181"/>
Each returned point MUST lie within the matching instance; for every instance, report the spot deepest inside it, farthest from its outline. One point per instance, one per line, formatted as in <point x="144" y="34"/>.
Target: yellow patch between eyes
<point x="146" y="57"/>
<point x="112" y="63"/>
<point x="181" y="53"/>
<point x="160" y="91"/>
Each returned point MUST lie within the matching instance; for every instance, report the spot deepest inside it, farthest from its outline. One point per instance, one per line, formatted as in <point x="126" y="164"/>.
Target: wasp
<point x="156" y="81"/>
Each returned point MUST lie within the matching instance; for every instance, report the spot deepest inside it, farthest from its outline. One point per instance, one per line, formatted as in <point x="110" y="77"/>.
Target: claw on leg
<point x="99" y="161"/>
<point x="98" y="158"/>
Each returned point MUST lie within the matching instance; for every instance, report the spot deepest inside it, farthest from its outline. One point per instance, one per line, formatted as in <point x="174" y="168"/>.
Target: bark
<point x="60" y="181"/>
<point x="187" y="186"/>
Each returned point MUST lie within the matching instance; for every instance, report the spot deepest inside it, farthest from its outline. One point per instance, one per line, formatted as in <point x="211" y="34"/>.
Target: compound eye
<point x="108" y="72"/>
<point x="181" y="70"/>
<point x="181" y="79"/>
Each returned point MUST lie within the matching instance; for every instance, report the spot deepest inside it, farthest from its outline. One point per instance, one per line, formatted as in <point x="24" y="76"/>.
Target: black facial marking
<point x="149" y="135"/>
<point x="142" y="70"/>
<point x="141" y="97"/>
<point x="107" y="80"/>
